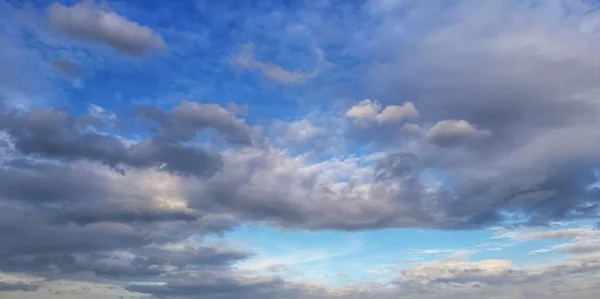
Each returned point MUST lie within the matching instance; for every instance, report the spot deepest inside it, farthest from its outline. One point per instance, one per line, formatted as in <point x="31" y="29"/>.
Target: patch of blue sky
<point x="353" y="255"/>
<point x="343" y="257"/>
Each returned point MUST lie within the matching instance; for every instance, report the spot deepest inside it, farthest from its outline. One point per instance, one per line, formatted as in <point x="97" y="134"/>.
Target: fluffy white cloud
<point x="369" y="112"/>
<point x="454" y="132"/>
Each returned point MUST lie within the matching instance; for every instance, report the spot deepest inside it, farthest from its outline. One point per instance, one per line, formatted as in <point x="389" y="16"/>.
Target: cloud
<point x="212" y="288"/>
<point x="92" y="22"/>
<point x="369" y="112"/>
<point x="524" y="73"/>
<point x="460" y="271"/>
<point x="444" y="274"/>
<point x="245" y="60"/>
<point x="295" y="132"/>
<point x="14" y="287"/>
<point x="582" y="241"/>
<point x="448" y="133"/>
<point x="56" y="134"/>
<point x="568" y="233"/>
<point x="543" y="64"/>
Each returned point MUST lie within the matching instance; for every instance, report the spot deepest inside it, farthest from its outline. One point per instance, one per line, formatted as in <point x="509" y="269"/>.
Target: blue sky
<point x="299" y="149"/>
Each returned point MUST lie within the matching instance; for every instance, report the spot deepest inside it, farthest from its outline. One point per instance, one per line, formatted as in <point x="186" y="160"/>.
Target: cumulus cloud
<point x="56" y="134"/>
<point x="66" y="213"/>
<point x="453" y="132"/>
<point x="93" y="22"/>
<point x="538" y="102"/>
<point x="369" y="112"/>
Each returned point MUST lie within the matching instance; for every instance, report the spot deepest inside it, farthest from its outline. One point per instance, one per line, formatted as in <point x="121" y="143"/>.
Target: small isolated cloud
<point x="277" y="268"/>
<point x="245" y="60"/>
<point x="66" y="68"/>
<point x="370" y="112"/>
<point x="101" y="113"/>
<point x="88" y="21"/>
<point x="448" y="133"/>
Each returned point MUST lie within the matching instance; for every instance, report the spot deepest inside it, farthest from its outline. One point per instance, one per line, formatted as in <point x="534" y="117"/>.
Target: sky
<point x="307" y="149"/>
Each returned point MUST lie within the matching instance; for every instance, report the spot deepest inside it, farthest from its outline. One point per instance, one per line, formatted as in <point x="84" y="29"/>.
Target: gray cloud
<point x="187" y="118"/>
<point x="92" y="22"/>
<point x="53" y="133"/>
<point x="245" y="60"/>
<point x="212" y="288"/>
<point x="13" y="287"/>
<point x="531" y="83"/>
<point x="517" y="169"/>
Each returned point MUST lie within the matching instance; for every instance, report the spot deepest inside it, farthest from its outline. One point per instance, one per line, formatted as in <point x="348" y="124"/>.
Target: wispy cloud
<point x="246" y="60"/>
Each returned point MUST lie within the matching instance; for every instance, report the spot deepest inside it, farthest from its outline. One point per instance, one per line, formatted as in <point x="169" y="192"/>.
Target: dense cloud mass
<point x="12" y="287"/>
<point x="485" y="116"/>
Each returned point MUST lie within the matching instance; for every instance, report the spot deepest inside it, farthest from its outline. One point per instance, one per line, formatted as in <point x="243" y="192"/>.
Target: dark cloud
<point x="13" y="287"/>
<point x="56" y="134"/>
<point x="42" y="182"/>
<point x="84" y="217"/>
<point x="93" y="22"/>
<point x="133" y="263"/>
<point x="187" y="118"/>
<point x="215" y="287"/>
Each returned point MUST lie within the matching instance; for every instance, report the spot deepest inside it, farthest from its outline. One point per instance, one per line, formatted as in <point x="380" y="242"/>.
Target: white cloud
<point x="460" y="271"/>
<point x="101" y="113"/>
<point x="296" y="132"/>
<point x="453" y="132"/>
<point x="568" y="233"/>
<point x="369" y="112"/>
<point x="395" y="113"/>
<point x="582" y="241"/>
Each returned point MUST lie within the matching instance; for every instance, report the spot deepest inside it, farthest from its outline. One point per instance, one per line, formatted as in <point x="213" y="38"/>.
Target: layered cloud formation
<point x="482" y="117"/>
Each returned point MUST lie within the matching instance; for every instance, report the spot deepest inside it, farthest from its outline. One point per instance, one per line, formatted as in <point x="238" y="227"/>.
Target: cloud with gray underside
<point x="97" y="23"/>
